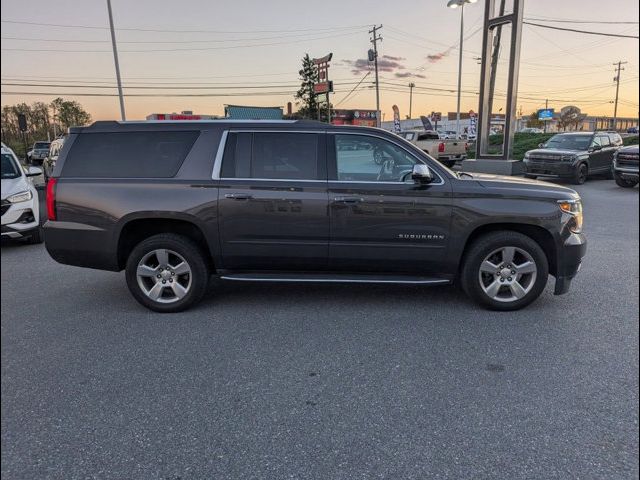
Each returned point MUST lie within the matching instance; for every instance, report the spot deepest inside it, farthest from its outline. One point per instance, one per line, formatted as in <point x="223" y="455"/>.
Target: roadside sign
<point x="545" y="114"/>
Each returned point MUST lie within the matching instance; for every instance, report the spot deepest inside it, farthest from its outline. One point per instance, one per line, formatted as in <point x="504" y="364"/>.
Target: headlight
<point x="20" y="197"/>
<point x="573" y="208"/>
<point x="526" y="155"/>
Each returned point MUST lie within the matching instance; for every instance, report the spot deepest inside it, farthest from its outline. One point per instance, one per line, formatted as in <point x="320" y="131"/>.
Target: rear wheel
<point x="504" y="271"/>
<point x="581" y="174"/>
<point x="167" y="273"/>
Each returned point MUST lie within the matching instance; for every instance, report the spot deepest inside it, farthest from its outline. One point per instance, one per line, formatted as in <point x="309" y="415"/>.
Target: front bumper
<point x="569" y="261"/>
<point x="553" y="168"/>
<point x="19" y="219"/>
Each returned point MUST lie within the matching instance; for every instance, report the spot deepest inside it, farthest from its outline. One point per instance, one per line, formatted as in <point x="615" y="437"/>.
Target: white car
<point x="19" y="203"/>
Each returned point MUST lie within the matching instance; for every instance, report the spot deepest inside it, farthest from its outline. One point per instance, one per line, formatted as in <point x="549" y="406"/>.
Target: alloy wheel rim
<point x="507" y="274"/>
<point x="164" y="276"/>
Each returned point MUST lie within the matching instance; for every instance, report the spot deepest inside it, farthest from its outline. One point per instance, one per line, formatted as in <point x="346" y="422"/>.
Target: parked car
<point x="50" y="161"/>
<point x="632" y="130"/>
<point x="449" y="135"/>
<point x="173" y="203"/>
<point x="447" y="152"/>
<point x="625" y="166"/>
<point x="531" y="130"/>
<point x="573" y="156"/>
<point x="19" y="200"/>
<point x="38" y="153"/>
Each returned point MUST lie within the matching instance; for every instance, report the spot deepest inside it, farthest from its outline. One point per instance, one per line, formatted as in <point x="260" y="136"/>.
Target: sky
<point x="248" y="52"/>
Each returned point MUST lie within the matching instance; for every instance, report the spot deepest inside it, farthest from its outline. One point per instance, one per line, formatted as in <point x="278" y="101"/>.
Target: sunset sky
<point x="248" y="52"/>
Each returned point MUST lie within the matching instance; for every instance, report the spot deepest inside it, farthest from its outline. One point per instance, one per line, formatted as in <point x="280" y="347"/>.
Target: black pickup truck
<point x="298" y="201"/>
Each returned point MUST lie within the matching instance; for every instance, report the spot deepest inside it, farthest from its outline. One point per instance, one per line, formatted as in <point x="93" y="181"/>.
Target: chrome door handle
<point x="348" y="199"/>
<point x="238" y="196"/>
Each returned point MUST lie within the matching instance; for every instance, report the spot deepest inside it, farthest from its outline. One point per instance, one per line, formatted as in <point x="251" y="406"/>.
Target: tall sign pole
<point x="324" y="85"/>
<point x="115" y="59"/>
<point x="494" y="20"/>
<point x="374" y="39"/>
<point x="617" y="79"/>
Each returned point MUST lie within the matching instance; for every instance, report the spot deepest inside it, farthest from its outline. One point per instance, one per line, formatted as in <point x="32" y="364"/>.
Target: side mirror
<point x="595" y="148"/>
<point x="33" y="171"/>
<point x="421" y="174"/>
<point x="541" y="145"/>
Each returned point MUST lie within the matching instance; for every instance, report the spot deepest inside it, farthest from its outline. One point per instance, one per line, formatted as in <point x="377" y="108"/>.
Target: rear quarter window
<point x="128" y="154"/>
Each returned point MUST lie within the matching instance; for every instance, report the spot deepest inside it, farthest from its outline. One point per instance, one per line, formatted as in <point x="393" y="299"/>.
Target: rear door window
<point x="128" y="154"/>
<point x="272" y="155"/>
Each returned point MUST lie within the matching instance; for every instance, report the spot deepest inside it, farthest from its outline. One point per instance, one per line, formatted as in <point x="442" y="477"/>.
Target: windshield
<point x="10" y="168"/>
<point x="41" y="146"/>
<point x="569" y="142"/>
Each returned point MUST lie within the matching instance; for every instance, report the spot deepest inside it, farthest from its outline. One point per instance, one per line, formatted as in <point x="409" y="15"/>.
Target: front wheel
<point x="624" y="183"/>
<point x="581" y="174"/>
<point x="504" y="271"/>
<point x="167" y="273"/>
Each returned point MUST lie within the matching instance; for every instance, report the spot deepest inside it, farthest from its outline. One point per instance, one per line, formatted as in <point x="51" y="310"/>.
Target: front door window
<point x="364" y="158"/>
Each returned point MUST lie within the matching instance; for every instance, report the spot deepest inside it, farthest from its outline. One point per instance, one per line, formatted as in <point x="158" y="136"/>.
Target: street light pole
<point x="460" y="70"/>
<point x="461" y="4"/>
<point x="115" y="59"/>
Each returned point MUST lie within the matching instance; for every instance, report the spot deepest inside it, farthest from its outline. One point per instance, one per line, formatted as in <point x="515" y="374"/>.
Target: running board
<point x="333" y="278"/>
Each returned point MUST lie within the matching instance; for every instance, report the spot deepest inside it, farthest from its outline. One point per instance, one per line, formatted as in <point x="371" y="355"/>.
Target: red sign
<point x="323" y="85"/>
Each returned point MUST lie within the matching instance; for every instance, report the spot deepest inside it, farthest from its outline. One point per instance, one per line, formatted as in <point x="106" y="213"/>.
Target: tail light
<point x="441" y="147"/>
<point x="51" y="198"/>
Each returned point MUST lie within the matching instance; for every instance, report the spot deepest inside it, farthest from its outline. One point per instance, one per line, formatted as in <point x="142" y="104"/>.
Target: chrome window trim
<point x="217" y="164"/>
<point x="440" y="176"/>
<point x="245" y="179"/>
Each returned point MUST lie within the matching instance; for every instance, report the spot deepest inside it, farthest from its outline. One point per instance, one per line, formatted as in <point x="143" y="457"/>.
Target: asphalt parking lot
<point x="324" y="381"/>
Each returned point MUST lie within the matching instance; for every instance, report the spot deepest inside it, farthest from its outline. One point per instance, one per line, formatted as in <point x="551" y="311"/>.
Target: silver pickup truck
<point x="447" y="152"/>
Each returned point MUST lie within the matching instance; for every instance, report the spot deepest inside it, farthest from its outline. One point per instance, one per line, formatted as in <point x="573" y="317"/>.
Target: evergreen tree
<point x="306" y="98"/>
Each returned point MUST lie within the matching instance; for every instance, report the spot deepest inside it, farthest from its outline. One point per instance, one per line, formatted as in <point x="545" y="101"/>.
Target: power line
<point x="353" y="89"/>
<point x="202" y="49"/>
<point x="218" y="40"/>
<point x="562" y="20"/>
<point x="157" y="30"/>
<point x="581" y="31"/>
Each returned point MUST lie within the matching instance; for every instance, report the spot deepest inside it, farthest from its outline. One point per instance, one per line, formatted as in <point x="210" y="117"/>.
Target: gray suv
<point x="299" y="201"/>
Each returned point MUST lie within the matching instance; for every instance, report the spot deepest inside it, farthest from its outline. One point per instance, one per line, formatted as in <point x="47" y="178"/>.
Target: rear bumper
<point x="569" y="261"/>
<point x="80" y="245"/>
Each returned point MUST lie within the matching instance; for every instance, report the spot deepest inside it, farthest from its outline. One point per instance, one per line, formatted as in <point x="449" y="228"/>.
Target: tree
<point x="40" y="121"/>
<point x="69" y="113"/>
<point x="305" y="97"/>
<point x="570" y="118"/>
<point x="534" y="122"/>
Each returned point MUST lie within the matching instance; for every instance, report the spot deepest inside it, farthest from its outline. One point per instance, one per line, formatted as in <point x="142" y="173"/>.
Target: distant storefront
<point x="185" y="115"/>
<point x="363" y="118"/>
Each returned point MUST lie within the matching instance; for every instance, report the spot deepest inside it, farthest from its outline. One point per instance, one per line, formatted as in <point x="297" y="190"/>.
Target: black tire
<point x="484" y="246"/>
<point x="192" y="255"/>
<point x="35" y="237"/>
<point x="532" y="177"/>
<point x="624" y="183"/>
<point x="580" y="175"/>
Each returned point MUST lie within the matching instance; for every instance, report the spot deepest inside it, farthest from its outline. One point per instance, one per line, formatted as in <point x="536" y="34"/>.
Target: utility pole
<point x="411" y="85"/>
<point x="546" y="107"/>
<point x="374" y="39"/>
<point x="617" y="79"/>
<point x="55" y="130"/>
<point x="115" y="59"/>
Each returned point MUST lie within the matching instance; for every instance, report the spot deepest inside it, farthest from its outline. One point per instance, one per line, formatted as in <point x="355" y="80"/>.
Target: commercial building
<point x="241" y="112"/>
